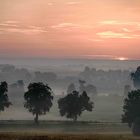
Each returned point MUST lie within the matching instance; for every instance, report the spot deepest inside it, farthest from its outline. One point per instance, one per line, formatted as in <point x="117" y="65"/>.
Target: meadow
<point x="64" y="130"/>
<point x="65" y="127"/>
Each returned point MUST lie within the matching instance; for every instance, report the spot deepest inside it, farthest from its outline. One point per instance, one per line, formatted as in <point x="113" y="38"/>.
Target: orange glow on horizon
<point x="122" y="59"/>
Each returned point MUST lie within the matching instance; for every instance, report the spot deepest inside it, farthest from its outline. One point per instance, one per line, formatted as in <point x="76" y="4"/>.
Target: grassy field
<point x="65" y="127"/>
<point x="43" y="136"/>
<point x="65" y="130"/>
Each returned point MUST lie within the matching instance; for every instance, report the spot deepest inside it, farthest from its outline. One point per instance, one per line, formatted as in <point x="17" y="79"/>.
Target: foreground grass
<point x="41" y="136"/>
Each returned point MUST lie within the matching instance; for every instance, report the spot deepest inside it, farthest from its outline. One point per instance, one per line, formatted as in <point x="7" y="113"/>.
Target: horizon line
<point x="73" y="58"/>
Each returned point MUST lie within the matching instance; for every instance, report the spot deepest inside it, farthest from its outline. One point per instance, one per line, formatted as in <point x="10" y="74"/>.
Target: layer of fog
<point x="109" y="77"/>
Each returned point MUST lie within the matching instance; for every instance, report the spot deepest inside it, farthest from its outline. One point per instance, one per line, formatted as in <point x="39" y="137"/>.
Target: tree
<point x="4" y="101"/>
<point x="131" y="108"/>
<point x="136" y="78"/>
<point x="38" y="99"/>
<point x="74" y="104"/>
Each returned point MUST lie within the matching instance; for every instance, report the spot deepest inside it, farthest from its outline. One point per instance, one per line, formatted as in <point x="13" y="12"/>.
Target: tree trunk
<point x="36" y="118"/>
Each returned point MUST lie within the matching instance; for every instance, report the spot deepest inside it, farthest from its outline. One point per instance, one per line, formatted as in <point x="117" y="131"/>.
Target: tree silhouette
<point x="38" y="99"/>
<point x="4" y="101"/>
<point x="131" y="108"/>
<point x="136" y="78"/>
<point x="74" y="104"/>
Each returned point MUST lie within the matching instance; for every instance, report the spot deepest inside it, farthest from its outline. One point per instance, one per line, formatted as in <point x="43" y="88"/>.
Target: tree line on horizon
<point x="38" y="100"/>
<point x="102" y="80"/>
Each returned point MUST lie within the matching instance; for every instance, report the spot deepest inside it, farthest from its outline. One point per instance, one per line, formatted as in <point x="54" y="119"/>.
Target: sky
<point x="93" y="29"/>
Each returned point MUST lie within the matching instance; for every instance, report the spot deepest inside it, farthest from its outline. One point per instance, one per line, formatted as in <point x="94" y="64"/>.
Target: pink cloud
<point x="15" y="27"/>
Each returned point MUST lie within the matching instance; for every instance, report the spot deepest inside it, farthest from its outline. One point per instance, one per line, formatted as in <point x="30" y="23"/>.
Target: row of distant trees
<point x="83" y="86"/>
<point x="39" y="97"/>
<point x="103" y="80"/>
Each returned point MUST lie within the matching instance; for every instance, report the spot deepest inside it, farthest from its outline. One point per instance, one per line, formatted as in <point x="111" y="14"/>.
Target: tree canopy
<point x="131" y="107"/>
<point x="73" y="104"/>
<point x="136" y="78"/>
<point x="38" y="99"/>
<point x="4" y="101"/>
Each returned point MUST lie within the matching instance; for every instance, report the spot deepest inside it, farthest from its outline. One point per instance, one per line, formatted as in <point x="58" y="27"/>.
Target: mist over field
<point x="109" y="77"/>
